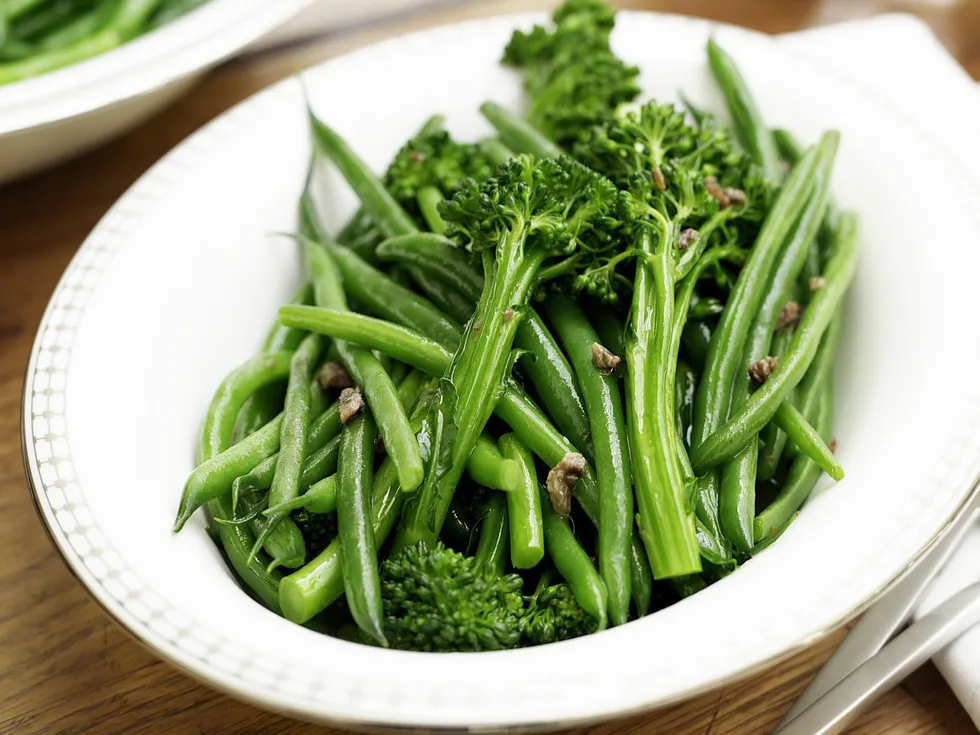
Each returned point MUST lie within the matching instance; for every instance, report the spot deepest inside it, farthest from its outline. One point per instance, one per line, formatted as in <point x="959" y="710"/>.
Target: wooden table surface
<point x="64" y="666"/>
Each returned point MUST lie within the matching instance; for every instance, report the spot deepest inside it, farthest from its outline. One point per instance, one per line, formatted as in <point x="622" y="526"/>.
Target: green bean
<point x="320" y="498"/>
<point x="384" y="211"/>
<point x="309" y="590"/>
<point x="791" y="151"/>
<point x="358" y="549"/>
<point x="491" y="551"/>
<point x="738" y="481"/>
<point x="446" y="298"/>
<point x="804" y="436"/>
<point x="604" y="407"/>
<point x="236" y="388"/>
<point x="696" y="339"/>
<point x="521" y="414"/>
<point x="323" y="429"/>
<point x="809" y="390"/>
<point x="534" y="429"/>
<point x="751" y="129"/>
<point x="428" y="198"/>
<point x="524" y="507"/>
<point x="236" y="540"/>
<point x="387" y="299"/>
<point x="610" y="329"/>
<point x="496" y="151"/>
<point x="706" y="489"/>
<point x="724" y="363"/>
<point x="370" y="376"/>
<point x="219" y="424"/>
<point x="800" y="481"/>
<point x="437" y="254"/>
<point x="412" y="387"/>
<point x="488" y="467"/>
<point x="399" y="342"/>
<point x="773" y="438"/>
<point x="280" y="537"/>
<point x="267" y="402"/>
<point x="360" y="233"/>
<point x="127" y="20"/>
<point x="574" y="565"/>
<point x="556" y="384"/>
<point x="685" y="388"/>
<point x="762" y="405"/>
<point x="517" y="134"/>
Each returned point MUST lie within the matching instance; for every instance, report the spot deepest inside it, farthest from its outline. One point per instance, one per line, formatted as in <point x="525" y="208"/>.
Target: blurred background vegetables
<point x="38" y="36"/>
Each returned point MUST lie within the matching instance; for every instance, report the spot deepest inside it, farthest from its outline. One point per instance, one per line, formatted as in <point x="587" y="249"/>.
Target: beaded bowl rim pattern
<point x="75" y="532"/>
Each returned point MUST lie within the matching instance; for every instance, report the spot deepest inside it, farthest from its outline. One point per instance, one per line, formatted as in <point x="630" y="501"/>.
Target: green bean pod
<point x="358" y="549"/>
<point x="604" y="406"/>
<point x="547" y="367"/>
<point x="491" y="551"/>
<point x="488" y="467"/>
<point x="311" y="589"/>
<point x="738" y="482"/>
<point x="800" y="481"/>
<point x="574" y="565"/>
<point x="809" y="392"/>
<point x="685" y="388"/>
<point x="496" y="150"/>
<point x="429" y="198"/>
<point x="517" y="134"/>
<point x="751" y="129"/>
<point x="206" y="483"/>
<point x="321" y="498"/>
<point x="524" y="507"/>
<point x="762" y="405"/>
<point x="518" y="411"/>
<point x="388" y="300"/>
<point x="370" y="376"/>
<point x="807" y="438"/>
<point x="380" y="206"/>
<point x="773" y="438"/>
<point x="445" y="297"/>
<point x="438" y="255"/>
<point x="281" y="538"/>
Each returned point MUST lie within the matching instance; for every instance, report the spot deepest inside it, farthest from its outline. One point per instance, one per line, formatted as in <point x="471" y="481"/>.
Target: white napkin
<point x="901" y="51"/>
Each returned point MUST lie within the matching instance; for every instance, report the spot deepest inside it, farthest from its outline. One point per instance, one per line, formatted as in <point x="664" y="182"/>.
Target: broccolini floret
<point x="318" y="530"/>
<point x="436" y="599"/>
<point x="553" y="615"/>
<point x="571" y="75"/>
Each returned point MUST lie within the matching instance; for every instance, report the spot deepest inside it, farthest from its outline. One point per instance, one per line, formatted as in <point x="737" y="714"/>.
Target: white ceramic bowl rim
<point x="135" y="606"/>
<point x="178" y="49"/>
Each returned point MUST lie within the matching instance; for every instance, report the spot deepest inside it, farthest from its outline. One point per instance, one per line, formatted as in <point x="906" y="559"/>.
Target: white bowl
<point x="48" y="118"/>
<point x="179" y="282"/>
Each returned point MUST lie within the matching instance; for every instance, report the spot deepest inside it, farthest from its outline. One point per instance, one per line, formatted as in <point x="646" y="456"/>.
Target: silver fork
<point x="866" y="665"/>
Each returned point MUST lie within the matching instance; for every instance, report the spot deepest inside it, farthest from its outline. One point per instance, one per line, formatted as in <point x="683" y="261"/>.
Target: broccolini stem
<point x="476" y="375"/>
<point x="666" y="523"/>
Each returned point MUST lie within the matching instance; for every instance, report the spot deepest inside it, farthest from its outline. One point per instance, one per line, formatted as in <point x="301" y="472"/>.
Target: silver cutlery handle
<point x="888" y="614"/>
<point x="907" y="652"/>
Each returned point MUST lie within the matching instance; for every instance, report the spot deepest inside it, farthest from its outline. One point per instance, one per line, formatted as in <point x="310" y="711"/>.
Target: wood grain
<point x="65" y="667"/>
